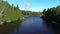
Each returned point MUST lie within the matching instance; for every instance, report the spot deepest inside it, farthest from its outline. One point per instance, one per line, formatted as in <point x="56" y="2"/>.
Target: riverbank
<point x="7" y="27"/>
<point x="9" y="21"/>
<point x="51" y="20"/>
<point x="9" y="13"/>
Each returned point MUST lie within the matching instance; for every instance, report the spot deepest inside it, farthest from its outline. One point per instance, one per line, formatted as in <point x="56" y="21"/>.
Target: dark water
<point x="33" y="25"/>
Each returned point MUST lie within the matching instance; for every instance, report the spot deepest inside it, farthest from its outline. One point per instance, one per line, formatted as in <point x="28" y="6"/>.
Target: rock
<point x="9" y="21"/>
<point x="23" y="18"/>
<point x="1" y="23"/>
<point x="15" y="20"/>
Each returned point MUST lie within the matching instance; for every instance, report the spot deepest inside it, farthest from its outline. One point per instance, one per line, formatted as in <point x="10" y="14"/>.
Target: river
<point x="33" y="25"/>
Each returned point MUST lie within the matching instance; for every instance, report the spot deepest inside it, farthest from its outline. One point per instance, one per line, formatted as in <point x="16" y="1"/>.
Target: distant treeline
<point x="31" y="13"/>
<point x="52" y="13"/>
<point x="11" y="12"/>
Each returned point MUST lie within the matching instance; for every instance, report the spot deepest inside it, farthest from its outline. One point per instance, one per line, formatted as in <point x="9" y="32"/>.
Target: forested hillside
<point x="8" y="12"/>
<point x="52" y="13"/>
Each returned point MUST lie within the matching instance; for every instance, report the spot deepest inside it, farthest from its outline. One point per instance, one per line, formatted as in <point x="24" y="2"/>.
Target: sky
<point x="34" y="5"/>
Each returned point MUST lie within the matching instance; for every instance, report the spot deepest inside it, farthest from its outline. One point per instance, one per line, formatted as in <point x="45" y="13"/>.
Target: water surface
<point x="33" y="25"/>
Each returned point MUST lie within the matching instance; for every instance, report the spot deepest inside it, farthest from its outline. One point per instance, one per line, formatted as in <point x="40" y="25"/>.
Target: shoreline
<point x="48" y="19"/>
<point x="9" y="21"/>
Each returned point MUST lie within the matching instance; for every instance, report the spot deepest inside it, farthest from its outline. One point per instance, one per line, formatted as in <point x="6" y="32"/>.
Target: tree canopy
<point x="52" y="13"/>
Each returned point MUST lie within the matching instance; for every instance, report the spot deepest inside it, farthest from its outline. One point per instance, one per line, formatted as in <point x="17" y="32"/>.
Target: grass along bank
<point x="9" y="13"/>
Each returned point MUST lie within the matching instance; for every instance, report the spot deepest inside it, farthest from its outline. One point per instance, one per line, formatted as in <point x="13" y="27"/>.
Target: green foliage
<point x="31" y="13"/>
<point x="10" y="12"/>
<point x="53" y="13"/>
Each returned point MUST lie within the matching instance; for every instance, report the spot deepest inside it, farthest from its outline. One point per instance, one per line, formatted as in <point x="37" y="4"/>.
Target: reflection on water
<point x="56" y="27"/>
<point x="7" y="28"/>
<point x="31" y="25"/>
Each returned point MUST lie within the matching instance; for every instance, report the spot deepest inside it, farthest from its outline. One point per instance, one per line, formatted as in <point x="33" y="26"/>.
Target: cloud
<point x="27" y="5"/>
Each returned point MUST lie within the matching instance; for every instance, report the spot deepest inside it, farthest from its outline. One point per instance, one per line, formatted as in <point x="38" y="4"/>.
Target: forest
<point x="31" y="13"/>
<point x="8" y="12"/>
<point x="15" y="20"/>
<point x="52" y="14"/>
<point x="11" y="12"/>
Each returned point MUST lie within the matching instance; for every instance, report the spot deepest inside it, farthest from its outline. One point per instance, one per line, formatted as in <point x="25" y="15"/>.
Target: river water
<point x="33" y="25"/>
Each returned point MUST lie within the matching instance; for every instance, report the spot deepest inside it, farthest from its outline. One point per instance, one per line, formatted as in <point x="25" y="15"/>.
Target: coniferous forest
<point x="8" y="12"/>
<point x="52" y="14"/>
<point x="14" y="20"/>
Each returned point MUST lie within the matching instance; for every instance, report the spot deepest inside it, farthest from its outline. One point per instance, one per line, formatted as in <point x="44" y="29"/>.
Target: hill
<point x="8" y="12"/>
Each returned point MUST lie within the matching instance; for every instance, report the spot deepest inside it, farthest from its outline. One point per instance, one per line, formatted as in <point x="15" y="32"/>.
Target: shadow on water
<point x="34" y="25"/>
<point x="30" y="25"/>
<point x="7" y="28"/>
<point x="56" y="27"/>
